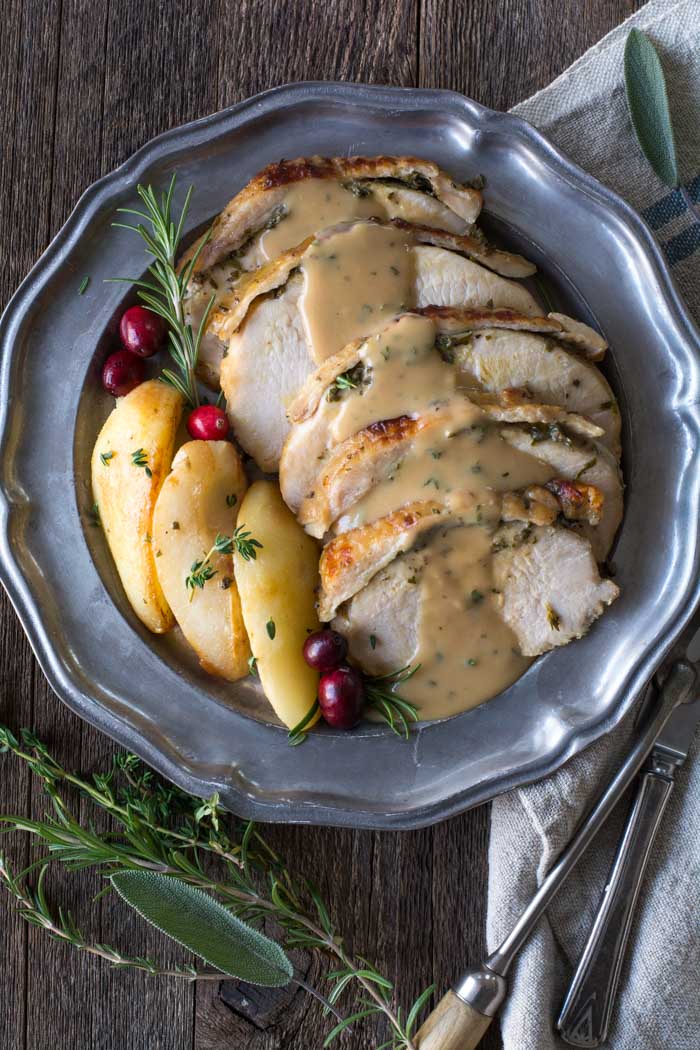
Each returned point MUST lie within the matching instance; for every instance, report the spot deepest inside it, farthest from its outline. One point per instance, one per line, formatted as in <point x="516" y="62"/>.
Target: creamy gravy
<point x="312" y="205"/>
<point x="416" y="378"/>
<point x="355" y="282"/>
<point x="466" y="651"/>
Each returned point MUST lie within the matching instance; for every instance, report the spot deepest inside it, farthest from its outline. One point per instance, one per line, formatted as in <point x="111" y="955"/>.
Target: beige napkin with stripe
<point x="584" y="113"/>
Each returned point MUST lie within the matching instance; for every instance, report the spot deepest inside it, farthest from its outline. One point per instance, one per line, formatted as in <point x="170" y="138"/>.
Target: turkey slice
<point x="551" y="589"/>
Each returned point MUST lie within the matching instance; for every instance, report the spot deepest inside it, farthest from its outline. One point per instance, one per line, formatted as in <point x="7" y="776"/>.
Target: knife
<point x="587" y="1009"/>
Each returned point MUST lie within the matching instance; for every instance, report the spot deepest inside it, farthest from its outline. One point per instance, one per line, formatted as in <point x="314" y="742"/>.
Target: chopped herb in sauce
<point x="271" y="629"/>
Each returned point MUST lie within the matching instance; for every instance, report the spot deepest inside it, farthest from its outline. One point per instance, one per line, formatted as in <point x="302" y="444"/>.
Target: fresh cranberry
<point x="142" y="332"/>
<point x="341" y="697"/>
<point x="325" y="650"/>
<point x="121" y="373"/>
<point x="208" y="423"/>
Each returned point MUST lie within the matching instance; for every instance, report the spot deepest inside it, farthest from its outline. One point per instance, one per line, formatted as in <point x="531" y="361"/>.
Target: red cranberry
<point x="341" y="697"/>
<point x="325" y="650"/>
<point x="208" y="423"/>
<point x="142" y="332"/>
<point x="121" y="373"/>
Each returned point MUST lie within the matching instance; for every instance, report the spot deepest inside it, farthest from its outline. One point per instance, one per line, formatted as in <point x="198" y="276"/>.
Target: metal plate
<point x="147" y="692"/>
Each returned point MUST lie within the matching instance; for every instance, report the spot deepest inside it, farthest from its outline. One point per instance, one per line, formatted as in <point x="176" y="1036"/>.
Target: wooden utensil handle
<point x="453" y="1025"/>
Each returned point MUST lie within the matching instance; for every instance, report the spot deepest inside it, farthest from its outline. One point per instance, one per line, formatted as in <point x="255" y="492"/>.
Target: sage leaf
<point x="648" y="104"/>
<point x="200" y="923"/>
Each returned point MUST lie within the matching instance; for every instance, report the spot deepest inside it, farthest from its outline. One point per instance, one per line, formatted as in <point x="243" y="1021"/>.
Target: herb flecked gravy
<point x="357" y="279"/>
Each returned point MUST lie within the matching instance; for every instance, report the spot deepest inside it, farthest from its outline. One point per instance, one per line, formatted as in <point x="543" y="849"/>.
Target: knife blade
<point x="674" y="740"/>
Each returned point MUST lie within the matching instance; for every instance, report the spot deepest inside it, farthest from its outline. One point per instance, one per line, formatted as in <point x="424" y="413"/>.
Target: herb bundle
<point x="204" y="878"/>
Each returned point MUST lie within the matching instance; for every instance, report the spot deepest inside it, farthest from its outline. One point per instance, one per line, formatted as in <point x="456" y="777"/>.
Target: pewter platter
<point x="147" y="692"/>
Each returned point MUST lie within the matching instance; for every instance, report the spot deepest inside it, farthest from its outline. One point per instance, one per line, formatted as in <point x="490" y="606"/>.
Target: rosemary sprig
<point x="34" y="909"/>
<point x="157" y="827"/>
<point x="202" y="571"/>
<point x="392" y="708"/>
<point x="164" y="291"/>
<point x="297" y="734"/>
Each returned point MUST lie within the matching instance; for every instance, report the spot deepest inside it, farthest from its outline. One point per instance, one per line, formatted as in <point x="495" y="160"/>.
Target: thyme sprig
<point x="140" y="459"/>
<point x="164" y="291"/>
<point x="157" y="827"/>
<point x="392" y="708"/>
<point x="202" y="571"/>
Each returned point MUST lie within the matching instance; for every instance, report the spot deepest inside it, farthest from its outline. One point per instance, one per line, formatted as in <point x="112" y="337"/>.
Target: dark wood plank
<point x="501" y="53"/>
<point x="15" y="656"/>
<point x="265" y="43"/>
<point x="29" y="66"/>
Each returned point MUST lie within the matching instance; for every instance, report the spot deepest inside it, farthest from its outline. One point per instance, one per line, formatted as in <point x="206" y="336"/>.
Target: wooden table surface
<point x="83" y="84"/>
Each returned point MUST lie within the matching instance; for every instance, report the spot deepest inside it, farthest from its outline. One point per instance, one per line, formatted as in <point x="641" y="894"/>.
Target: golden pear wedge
<point x="130" y="460"/>
<point x="198" y="501"/>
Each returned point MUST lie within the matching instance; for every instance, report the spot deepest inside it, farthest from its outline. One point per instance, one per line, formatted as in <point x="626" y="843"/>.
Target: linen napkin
<point x="584" y="113"/>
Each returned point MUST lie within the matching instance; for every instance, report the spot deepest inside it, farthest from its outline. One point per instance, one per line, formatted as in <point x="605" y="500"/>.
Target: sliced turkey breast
<point x="458" y="330"/>
<point x="588" y="462"/>
<point x="272" y="339"/>
<point x="551" y="589"/>
<point x="373" y="454"/>
<point x="456" y="321"/>
<point x="499" y="360"/>
<point x="266" y="365"/>
<point x="387" y="610"/>
<point x="360" y="462"/>
<point x="349" y="561"/>
<point x="290" y="201"/>
<point x="265" y="199"/>
<point x="444" y="267"/>
<point x="551" y="593"/>
<point x="310" y="440"/>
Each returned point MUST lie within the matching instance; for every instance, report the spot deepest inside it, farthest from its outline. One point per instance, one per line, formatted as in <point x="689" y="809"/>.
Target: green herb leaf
<point x="205" y="927"/>
<point x="83" y="286"/>
<point x="139" y="459"/>
<point x="417" y="1007"/>
<point x="297" y="734"/>
<point x="252" y="665"/>
<point x="105" y="458"/>
<point x="271" y="629"/>
<point x="648" y="104"/>
<point x="231" y="500"/>
<point x="393" y="709"/>
<point x="245" y="546"/>
<point x="553" y="618"/>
